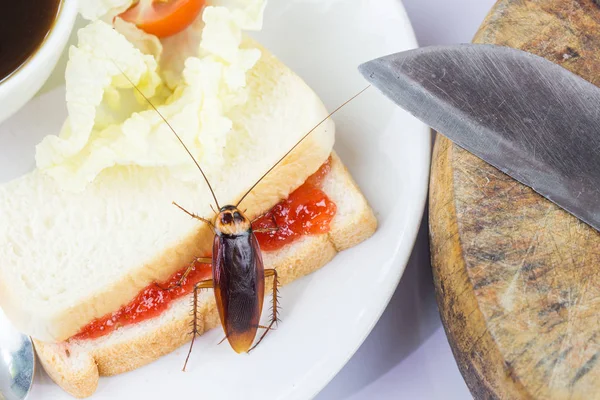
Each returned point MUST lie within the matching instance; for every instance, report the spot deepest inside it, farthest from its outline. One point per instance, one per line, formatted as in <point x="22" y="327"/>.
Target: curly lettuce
<point x="110" y="124"/>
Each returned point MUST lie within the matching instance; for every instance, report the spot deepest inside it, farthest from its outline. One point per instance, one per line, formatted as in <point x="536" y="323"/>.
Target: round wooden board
<point x="517" y="278"/>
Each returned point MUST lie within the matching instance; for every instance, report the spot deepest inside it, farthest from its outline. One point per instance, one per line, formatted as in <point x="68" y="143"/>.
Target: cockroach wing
<point x="239" y="281"/>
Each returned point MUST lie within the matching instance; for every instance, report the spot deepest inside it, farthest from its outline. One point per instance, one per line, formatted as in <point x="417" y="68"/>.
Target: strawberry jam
<point x="151" y="302"/>
<point x="307" y="211"/>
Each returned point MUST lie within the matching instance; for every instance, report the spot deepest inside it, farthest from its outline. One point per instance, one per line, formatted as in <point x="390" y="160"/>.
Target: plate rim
<point x="413" y="234"/>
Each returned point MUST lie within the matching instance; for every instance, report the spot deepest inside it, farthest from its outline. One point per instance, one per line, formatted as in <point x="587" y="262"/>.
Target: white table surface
<point x="407" y="355"/>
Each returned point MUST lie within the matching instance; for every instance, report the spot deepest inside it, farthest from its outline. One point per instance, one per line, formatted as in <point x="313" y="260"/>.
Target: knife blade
<point x="530" y="118"/>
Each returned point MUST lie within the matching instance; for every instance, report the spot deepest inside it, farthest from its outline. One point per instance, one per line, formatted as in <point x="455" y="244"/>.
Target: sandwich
<point x="88" y="237"/>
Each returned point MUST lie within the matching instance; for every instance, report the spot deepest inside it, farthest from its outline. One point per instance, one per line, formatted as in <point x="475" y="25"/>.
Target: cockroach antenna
<point x="174" y="132"/>
<point x="298" y="144"/>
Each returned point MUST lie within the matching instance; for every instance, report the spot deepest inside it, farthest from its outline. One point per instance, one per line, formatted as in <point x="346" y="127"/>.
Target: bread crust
<point x="292" y="262"/>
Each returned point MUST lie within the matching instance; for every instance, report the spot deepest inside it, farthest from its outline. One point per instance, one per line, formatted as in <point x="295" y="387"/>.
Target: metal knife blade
<point x="526" y="116"/>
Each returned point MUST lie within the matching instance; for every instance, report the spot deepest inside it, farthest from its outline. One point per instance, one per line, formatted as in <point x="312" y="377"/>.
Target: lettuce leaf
<point x="110" y="124"/>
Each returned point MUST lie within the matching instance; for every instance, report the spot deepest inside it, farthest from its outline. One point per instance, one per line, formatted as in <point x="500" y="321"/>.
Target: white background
<point x="407" y="355"/>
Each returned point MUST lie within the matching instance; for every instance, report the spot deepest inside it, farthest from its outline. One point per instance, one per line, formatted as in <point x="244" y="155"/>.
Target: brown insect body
<point x="238" y="277"/>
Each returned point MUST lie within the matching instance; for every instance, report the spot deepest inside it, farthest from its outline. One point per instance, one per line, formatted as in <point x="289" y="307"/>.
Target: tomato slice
<point x="163" y="18"/>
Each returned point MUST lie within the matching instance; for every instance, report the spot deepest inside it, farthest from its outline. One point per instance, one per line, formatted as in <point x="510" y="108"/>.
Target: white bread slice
<point x="68" y="258"/>
<point x="76" y="366"/>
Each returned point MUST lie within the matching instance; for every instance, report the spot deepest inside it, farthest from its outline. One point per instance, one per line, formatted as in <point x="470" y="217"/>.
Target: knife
<point x="530" y="118"/>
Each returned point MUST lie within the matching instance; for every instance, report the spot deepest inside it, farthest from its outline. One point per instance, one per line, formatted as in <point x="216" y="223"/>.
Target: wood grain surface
<point x="517" y="278"/>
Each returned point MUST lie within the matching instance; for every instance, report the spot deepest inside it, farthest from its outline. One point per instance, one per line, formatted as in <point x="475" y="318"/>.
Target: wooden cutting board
<point x="518" y="279"/>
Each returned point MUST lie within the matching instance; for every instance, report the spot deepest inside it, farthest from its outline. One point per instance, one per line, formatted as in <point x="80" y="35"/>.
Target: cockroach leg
<point x="196" y="216"/>
<point x="266" y="327"/>
<point x="263" y="230"/>
<point x="207" y="284"/>
<point x="201" y="260"/>
<point x="274" y="317"/>
<point x="260" y="216"/>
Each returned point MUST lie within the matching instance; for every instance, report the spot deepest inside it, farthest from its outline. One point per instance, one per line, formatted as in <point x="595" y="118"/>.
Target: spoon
<point x="17" y="362"/>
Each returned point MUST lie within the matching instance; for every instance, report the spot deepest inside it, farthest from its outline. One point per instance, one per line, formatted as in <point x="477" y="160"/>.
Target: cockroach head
<point x="231" y="221"/>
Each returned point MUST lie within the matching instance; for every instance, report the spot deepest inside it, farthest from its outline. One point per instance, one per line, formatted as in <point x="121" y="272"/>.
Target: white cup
<point x="19" y="87"/>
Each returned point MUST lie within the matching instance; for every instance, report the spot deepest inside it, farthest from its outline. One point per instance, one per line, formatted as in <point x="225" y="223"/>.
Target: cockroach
<point x="238" y="273"/>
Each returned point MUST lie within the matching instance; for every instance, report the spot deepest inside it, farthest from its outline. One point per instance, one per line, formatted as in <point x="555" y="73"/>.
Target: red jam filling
<point x="149" y="303"/>
<point x="307" y="211"/>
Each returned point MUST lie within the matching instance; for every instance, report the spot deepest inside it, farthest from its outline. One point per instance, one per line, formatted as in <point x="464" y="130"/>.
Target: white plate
<point x="327" y="315"/>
